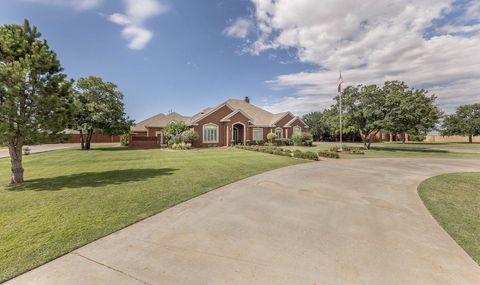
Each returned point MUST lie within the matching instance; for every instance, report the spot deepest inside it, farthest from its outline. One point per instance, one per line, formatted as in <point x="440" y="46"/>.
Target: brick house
<point x="233" y="121"/>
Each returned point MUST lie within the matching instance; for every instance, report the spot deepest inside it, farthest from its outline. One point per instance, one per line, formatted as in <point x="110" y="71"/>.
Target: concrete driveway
<point x="51" y="147"/>
<point x="331" y="222"/>
<point x="42" y="148"/>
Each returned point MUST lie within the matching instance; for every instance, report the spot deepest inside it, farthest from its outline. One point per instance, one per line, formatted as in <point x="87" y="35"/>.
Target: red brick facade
<point x="233" y="126"/>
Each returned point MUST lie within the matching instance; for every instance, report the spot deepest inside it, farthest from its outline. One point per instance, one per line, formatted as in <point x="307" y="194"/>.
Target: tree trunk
<point x="470" y="139"/>
<point x="89" y="139"/>
<point x="15" y="151"/>
<point x="82" y="140"/>
<point x="404" y="138"/>
<point x="364" y="139"/>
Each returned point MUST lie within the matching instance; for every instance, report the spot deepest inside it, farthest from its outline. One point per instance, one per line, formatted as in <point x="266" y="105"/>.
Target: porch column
<point x="227" y="143"/>
<point x="286" y="133"/>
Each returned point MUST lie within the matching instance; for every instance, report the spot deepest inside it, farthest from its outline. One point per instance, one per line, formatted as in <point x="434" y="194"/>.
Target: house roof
<point x="256" y="115"/>
<point x="159" y="121"/>
<point x="289" y="124"/>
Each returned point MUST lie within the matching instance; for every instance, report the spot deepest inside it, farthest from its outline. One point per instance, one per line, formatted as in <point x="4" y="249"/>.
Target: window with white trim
<point x="279" y="133"/>
<point x="257" y="134"/>
<point x="297" y="130"/>
<point x="210" y="133"/>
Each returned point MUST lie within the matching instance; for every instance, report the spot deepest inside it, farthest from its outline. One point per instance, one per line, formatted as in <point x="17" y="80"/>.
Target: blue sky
<point x="285" y="55"/>
<point x="189" y="64"/>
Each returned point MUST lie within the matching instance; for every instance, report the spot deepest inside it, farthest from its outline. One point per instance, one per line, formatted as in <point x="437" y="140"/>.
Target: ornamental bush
<point x="271" y="137"/>
<point x="190" y="136"/>
<point x="297" y="139"/>
<point x="329" y="154"/>
<point x="181" y="146"/>
<point x="124" y="140"/>
<point x="310" y="155"/>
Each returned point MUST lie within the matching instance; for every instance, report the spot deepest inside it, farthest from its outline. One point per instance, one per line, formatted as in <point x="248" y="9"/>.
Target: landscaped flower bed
<point x="280" y="151"/>
<point x="348" y="149"/>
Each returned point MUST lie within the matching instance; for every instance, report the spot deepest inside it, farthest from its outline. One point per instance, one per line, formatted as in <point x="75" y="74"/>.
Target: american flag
<point x="340" y="82"/>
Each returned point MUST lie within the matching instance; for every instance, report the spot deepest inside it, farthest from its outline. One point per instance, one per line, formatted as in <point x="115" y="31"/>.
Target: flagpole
<point x="341" y="111"/>
<point x="339" y="90"/>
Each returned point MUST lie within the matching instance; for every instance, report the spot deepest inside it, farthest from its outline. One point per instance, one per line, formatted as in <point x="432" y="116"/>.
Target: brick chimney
<point x="247" y="99"/>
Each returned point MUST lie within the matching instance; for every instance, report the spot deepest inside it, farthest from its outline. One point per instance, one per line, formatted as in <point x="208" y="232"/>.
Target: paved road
<point x="332" y="222"/>
<point x="50" y="147"/>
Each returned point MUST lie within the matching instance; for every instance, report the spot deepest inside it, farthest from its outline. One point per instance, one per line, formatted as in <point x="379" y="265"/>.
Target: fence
<point x="96" y="138"/>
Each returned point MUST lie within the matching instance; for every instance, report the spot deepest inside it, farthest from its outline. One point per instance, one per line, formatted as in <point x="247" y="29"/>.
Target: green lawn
<point x="454" y="201"/>
<point x="72" y="197"/>
<point x="411" y="150"/>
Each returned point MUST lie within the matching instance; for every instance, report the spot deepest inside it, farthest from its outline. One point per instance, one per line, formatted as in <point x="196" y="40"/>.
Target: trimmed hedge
<point x="280" y="151"/>
<point x="329" y="154"/>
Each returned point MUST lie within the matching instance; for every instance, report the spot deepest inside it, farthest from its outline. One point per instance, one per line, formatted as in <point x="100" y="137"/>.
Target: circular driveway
<point x="329" y="222"/>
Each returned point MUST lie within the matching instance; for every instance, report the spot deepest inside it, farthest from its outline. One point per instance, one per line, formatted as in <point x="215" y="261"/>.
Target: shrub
<point x="308" y="143"/>
<point x="278" y="152"/>
<point x="286" y="142"/>
<point x="260" y="142"/>
<point x="352" y="149"/>
<point x="26" y="150"/>
<point x="328" y="154"/>
<point x="190" y="136"/>
<point x="297" y="153"/>
<point x="287" y="153"/>
<point x="416" y="137"/>
<point x="297" y="139"/>
<point x="175" y="129"/>
<point x="271" y="137"/>
<point x="307" y="139"/>
<point x="181" y="146"/>
<point x="124" y="140"/>
<point x="310" y="155"/>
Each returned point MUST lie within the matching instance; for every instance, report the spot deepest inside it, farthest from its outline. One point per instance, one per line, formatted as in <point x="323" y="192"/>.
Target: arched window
<point x="297" y="130"/>
<point x="279" y="133"/>
<point x="210" y="133"/>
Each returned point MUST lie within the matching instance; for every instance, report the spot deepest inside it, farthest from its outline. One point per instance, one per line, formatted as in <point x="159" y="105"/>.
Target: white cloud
<point x="137" y="12"/>
<point x="75" y="4"/>
<point x="240" y="28"/>
<point x="371" y="41"/>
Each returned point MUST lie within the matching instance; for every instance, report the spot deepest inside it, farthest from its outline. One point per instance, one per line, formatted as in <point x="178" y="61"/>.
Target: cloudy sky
<point x="184" y="55"/>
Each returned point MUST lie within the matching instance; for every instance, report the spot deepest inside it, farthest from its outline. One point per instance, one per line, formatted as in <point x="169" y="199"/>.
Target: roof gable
<point x="238" y="111"/>
<point x="289" y="124"/>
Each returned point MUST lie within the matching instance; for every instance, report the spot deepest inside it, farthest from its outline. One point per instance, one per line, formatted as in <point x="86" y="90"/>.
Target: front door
<point x="235" y="135"/>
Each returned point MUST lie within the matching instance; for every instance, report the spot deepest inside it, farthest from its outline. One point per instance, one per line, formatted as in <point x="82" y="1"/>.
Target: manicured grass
<point x="454" y="201"/>
<point x="408" y="150"/>
<point x="72" y="197"/>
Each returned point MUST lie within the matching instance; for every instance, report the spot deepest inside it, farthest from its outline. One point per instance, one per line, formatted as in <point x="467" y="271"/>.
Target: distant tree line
<point x="37" y="100"/>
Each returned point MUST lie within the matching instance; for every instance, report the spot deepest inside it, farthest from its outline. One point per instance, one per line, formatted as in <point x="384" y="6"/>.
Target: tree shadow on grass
<point x="91" y="179"/>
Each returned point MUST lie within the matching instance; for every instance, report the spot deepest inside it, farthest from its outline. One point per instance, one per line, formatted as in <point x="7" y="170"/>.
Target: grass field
<point x="454" y="201"/>
<point x="72" y="197"/>
<point x="411" y="150"/>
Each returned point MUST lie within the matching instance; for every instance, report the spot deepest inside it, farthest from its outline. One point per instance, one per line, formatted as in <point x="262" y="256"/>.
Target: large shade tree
<point x="35" y="97"/>
<point x="364" y="108"/>
<point x="409" y="110"/>
<point x="465" y="121"/>
<point x="99" y="109"/>
<point x="317" y="124"/>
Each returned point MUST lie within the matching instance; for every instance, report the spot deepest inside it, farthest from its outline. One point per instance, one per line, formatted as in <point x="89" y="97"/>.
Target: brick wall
<point x="143" y="142"/>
